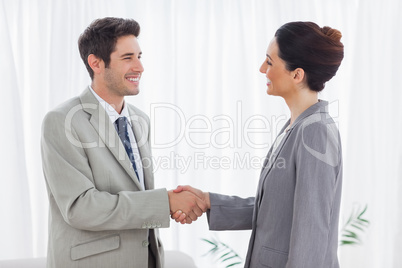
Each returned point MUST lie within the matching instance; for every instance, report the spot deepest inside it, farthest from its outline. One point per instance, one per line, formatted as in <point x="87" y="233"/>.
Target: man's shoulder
<point x="59" y="113"/>
<point x="67" y="105"/>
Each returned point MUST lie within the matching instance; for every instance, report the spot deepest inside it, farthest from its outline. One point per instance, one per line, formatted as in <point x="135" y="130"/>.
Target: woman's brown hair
<point x="318" y="51"/>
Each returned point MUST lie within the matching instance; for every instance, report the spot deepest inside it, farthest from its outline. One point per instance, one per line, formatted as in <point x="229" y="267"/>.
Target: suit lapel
<point x="272" y="156"/>
<point x="141" y="133"/>
<point x="107" y="132"/>
<point x="320" y="107"/>
<point x="270" y="162"/>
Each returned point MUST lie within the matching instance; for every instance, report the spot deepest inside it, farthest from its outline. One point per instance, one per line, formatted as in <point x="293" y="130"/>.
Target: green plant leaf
<point x="229" y="258"/>
<point x="223" y="253"/>
<point x="233" y="264"/>
<point x="208" y="241"/>
<point x="354" y="227"/>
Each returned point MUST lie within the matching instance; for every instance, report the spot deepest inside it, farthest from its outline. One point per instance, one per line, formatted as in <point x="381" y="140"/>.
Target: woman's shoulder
<point x="316" y="118"/>
<point x="318" y="136"/>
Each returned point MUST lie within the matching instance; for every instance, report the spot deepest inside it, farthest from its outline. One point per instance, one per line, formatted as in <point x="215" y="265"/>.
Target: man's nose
<point x="137" y="66"/>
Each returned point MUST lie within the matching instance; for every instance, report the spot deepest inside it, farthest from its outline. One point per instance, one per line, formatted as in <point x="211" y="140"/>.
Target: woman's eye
<point x="269" y="63"/>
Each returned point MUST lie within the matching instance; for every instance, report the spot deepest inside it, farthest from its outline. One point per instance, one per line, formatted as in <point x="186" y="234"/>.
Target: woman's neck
<point x="300" y="102"/>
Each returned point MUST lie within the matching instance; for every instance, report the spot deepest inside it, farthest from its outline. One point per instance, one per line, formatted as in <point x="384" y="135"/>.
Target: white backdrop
<point x="212" y="120"/>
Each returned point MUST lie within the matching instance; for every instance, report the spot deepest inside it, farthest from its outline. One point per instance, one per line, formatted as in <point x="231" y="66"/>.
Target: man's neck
<point x="115" y="101"/>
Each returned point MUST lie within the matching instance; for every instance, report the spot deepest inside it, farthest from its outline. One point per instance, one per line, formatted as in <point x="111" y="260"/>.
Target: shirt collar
<point x="112" y="113"/>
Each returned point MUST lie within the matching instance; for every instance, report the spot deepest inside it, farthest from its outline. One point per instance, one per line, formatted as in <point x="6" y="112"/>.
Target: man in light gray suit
<point x="104" y="210"/>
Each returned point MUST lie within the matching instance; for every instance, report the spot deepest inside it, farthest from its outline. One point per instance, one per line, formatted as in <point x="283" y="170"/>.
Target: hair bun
<point x="333" y="34"/>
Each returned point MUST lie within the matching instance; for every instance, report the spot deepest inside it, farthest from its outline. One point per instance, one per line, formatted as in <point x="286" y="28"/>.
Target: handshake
<point x="187" y="204"/>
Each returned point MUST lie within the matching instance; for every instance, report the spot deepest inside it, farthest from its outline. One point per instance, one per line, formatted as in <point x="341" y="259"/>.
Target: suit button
<point x="149" y="225"/>
<point x="158" y="225"/>
<point x="145" y="243"/>
<point x="144" y="226"/>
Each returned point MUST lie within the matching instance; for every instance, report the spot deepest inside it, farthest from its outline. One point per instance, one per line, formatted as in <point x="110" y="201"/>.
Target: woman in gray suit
<point x="294" y="215"/>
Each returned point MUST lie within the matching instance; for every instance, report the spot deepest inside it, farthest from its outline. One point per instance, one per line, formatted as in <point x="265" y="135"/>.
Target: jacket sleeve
<point x="70" y="184"/>
<point x="317" y="196"/>
<point x="230" y="212"/>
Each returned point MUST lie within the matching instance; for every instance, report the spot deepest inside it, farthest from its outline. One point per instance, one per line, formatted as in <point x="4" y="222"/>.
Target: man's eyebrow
<point x="129" y="54"/>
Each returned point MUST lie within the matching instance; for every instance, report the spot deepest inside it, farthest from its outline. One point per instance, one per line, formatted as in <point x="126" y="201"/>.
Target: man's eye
<point x="127" y="58"/>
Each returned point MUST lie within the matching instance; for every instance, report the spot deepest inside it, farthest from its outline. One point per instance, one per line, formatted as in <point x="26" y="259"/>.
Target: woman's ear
<point x="95" y="63"/>
<point x="298" y="75"/>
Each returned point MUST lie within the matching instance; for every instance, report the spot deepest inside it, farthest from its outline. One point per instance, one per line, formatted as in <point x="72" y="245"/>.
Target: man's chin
<point x="132" y="92"/>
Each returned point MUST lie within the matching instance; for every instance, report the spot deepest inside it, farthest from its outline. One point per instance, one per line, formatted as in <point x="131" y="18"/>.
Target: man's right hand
<point x="203" y="196"/>
<point x="186" y="206"/>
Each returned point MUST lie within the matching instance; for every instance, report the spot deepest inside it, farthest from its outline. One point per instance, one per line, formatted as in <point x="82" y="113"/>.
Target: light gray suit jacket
<point x="294" y="216"/>
<point x="99" y="215"/>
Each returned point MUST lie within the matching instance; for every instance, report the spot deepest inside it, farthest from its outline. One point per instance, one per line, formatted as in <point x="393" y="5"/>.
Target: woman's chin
<point x="270" y="92"/>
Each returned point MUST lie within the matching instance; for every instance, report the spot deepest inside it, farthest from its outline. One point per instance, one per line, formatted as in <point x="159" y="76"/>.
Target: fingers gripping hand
<point x="179" y="216"/>
<point x="189" y="204"/>
<point x="204" y="196"/>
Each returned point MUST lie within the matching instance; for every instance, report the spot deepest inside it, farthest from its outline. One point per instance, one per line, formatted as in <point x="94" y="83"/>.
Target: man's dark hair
<point x="101" y="36"/>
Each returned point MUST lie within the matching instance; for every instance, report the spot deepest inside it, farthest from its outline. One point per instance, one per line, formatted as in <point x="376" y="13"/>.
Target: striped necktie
<point x="122" y="125"/>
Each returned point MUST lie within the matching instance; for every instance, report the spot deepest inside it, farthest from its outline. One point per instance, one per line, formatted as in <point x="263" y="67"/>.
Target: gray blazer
<point x="98" y="214"/>
<point x="294" y="216"/>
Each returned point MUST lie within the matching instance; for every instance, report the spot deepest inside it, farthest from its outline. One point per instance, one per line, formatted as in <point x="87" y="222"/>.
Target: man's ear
<point x="97" y="65"/>
<point x="298" y="75"/>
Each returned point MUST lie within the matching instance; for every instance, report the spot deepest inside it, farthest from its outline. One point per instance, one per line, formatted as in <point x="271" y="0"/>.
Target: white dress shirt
<point x="113" y="115"/>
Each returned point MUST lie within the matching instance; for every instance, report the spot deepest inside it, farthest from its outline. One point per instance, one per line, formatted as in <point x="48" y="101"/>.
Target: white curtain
<point x="212" y="121"/>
